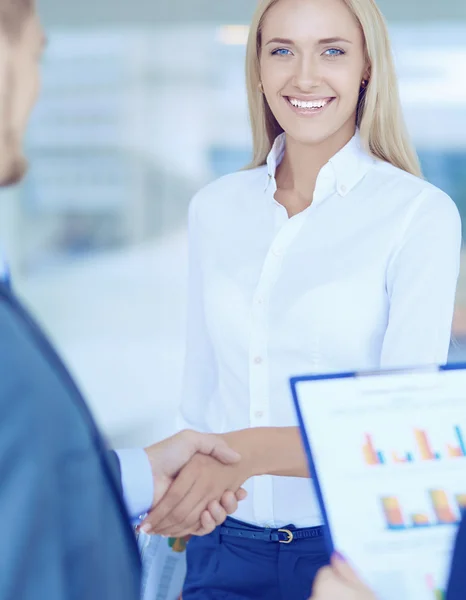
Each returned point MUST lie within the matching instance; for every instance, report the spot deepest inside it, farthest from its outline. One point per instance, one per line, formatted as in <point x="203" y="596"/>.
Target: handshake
<point x="197" y="484"/>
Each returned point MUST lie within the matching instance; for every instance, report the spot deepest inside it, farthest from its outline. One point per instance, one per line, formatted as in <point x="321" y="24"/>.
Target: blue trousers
<point x="227" y="568"/>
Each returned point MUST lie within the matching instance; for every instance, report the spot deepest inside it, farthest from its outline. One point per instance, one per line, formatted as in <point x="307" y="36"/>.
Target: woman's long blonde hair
<point x="379" y="115"/>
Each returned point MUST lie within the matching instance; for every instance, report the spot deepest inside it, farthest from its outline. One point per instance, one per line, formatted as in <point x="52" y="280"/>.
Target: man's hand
<point x="198" y="487"/>
<point x="340" y="582"/>
<point x="168" y="457"/>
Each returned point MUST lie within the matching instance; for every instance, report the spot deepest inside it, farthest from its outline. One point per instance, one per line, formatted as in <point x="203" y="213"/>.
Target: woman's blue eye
<point x="281" y="52"/>
<point x="334" y="52"/>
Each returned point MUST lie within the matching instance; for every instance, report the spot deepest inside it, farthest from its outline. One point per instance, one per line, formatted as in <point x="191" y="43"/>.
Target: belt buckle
<point x="289" y="534"/>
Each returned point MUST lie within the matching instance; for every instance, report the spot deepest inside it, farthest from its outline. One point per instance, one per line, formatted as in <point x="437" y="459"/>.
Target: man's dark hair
<point x="13" y="14"/>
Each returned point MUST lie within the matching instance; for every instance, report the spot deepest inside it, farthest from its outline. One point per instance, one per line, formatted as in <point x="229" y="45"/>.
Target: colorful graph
<point x="373" y="456"/>
<point x="441" y="507"/>
<point x="437" y="593"/>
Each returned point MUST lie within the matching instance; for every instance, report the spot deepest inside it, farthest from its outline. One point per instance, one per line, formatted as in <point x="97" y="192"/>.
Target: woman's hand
<point x="197" y="489"/>
<point x="340" y="582"/>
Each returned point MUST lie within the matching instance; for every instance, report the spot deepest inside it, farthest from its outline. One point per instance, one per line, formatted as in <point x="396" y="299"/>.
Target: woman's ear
<point x="367" y="73"/>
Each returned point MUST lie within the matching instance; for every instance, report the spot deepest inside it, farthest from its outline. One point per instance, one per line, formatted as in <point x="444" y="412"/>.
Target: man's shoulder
<point x="34" y="385"/>
<point x="18" y="347"/>
<point x="22" y="367"/>
<point x="13" y="337"/>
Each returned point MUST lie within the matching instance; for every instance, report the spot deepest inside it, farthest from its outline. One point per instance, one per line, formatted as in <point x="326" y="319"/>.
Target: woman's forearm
<point x="270" y="451"/>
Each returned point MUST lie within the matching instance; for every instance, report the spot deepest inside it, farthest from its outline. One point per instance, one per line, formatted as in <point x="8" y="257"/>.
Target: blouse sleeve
<point x="421" y="284"/>
<point x="200" y="373"/>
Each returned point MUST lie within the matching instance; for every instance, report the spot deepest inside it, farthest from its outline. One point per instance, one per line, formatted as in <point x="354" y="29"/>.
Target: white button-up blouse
<point x="363" y="278"/>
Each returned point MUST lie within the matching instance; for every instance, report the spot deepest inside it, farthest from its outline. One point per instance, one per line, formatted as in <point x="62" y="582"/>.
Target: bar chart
<point x="445" y="509"/>
<point x="437" y="593"/>
<point x="424" y="450"/>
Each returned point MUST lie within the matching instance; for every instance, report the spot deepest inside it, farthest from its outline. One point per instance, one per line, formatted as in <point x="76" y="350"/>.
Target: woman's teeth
<point x="303" y="104"/>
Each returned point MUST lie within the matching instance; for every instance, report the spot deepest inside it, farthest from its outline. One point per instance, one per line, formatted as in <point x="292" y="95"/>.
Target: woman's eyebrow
<point x="280" y="41"/>
<point x="333" y="40"/>
<point x="288" y="42"/>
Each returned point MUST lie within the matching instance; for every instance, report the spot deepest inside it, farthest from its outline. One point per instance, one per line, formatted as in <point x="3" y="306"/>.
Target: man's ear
<point x="12" y="162"/>
<point x="7" y="58"/>
<point x="5" y="105"/>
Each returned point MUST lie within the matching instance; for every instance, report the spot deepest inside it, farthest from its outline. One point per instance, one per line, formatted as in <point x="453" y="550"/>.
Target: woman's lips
<point x="308" y="108"/>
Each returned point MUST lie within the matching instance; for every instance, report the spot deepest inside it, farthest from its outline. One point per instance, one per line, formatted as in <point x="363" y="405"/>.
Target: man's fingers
<point x="209" y="519"/>
<point x="172" y="499"/>
<point x="344" y="570"/>
<point x="216" y="447"/>
<point x="184" y="517"/>
<point x="208" y="522"/>
<point x="217" y="511"/>
<point x="229" y="500"/>
<point x="229" y="503"/>
<point x="198" y="529"/>
<point x="207" y="525"/>
<point x="241" y="494"/>
<point x="212" y="517"/>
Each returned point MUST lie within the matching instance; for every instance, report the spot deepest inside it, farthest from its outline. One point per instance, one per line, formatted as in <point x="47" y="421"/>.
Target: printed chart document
<point x="387" y="453"/>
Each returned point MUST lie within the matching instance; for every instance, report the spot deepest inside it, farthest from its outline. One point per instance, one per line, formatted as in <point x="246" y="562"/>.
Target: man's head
<point x="21" y="46"/>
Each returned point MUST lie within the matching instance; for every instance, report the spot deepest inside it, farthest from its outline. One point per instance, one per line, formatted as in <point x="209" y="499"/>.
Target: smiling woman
<point x="328" y="254"/>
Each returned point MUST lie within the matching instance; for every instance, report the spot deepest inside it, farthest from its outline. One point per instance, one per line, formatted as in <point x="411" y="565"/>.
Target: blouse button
<point x="258" y="360"/>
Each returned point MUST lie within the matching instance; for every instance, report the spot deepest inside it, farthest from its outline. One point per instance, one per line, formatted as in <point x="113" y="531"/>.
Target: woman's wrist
<point x="243" y="441"/>
<point x="270" y="451"/>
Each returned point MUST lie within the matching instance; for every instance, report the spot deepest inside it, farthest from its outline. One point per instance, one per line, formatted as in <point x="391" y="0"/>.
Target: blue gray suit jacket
<point x="64" y="531"/>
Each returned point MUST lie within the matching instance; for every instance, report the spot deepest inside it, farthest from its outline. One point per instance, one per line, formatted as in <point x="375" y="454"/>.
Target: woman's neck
<point x="302" y="163"/>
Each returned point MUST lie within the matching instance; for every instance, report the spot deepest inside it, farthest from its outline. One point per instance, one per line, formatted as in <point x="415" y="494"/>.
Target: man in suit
<point x="65" y="530"/>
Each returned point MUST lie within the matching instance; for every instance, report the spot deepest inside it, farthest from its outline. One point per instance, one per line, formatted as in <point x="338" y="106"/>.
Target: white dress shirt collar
<point x="4" y="269"/>
<point x="342" y="172"/>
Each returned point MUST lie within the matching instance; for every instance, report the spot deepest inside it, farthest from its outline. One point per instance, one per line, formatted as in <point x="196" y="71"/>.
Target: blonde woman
<point x="329" y="253"/>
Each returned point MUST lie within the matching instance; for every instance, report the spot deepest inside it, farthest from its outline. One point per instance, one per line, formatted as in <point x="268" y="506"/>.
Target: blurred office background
<point x="143" y="102"/>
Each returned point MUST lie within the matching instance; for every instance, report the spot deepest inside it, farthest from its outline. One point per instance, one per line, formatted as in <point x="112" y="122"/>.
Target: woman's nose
<point x="308" y="74"/>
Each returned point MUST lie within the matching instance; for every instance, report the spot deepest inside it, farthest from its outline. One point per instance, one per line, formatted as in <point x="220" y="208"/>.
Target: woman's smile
<point x="309" y="107"/>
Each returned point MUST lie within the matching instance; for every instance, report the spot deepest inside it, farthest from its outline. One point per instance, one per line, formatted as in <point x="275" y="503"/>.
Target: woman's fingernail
<point x="339" y="556"/>
<point x="146" y="528"/>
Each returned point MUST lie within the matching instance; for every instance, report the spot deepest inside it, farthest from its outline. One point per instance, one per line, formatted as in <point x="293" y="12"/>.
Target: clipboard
<point x="413" y="457"/>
